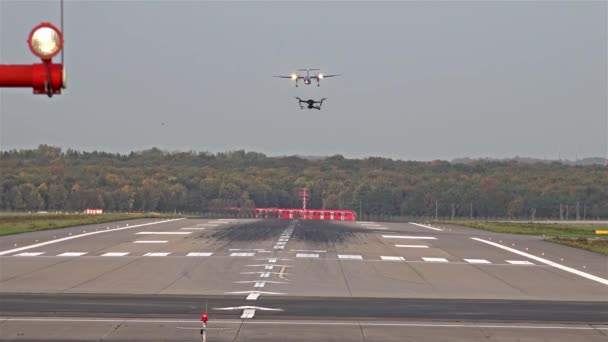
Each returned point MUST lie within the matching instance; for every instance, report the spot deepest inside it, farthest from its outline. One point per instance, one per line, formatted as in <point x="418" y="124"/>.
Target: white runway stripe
<point x="519" y="262"/>
<point x="194" y="228"/>
<point x="199" y="254"/>
<point x="150" y="241"/>
<point x="157" y="254"/>
<point x="72" y="254"/>
<point x="412" y="246"/>
<point x="392" y="258"/>
<point x="115" y="254"/>
<point x="30" y="254"/>
<point x="435" y="259"/>
<point x="163" y="233"/>
<point x="477" y="261"/>
<point x="411" y="237"/>
<point x="546" y="262"/>
<point x="239" y="254"/>
<point x="425" y="226"/>
<point x="349" y="257"/>
<point x="307" y="255"/>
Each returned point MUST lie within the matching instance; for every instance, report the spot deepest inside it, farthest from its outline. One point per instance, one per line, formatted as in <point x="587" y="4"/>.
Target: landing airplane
<point x="308" y="77"/>
<point x="310" y="104"/>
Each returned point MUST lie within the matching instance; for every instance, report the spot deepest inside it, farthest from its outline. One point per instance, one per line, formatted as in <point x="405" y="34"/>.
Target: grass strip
<point x="593" y="245"/>
<point x="24" y="223"/>
<point x="572" y="230"/>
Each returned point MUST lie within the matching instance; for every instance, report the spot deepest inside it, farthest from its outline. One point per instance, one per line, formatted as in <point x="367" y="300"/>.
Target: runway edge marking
<point x="425" y="226"/>
<point x="545" y="261"/>
<point x="81" y="235"/>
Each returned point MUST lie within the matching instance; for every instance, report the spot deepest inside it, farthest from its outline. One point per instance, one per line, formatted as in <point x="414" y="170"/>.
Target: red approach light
<point x="45" y="41"/>
<point x="204" y="318"/>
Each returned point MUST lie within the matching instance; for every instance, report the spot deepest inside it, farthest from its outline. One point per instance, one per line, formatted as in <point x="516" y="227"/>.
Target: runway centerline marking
<point x="477" y="261"/>
<point x="425" y="226"/>
<point x="73" y="254"/>
<point x="307" y="255"/>
<point x="412" y="246"/>
<point x="150" y="241"/>
<point x="435" y="259"/>
<point x="547" y="262"/>
<point x="409" y="237"/>
<point x="349" y="257"/>
<point x="199" y="254"/>
<point x="239" y="254"/>
<point x="81" y="235"/>
<point x="115" y="254"/>
<point x="157" y="254"/>
<point x="30" y="254"/>
<point x="519" y="262"/>
<point x="194" y="228"/>
<point x="392" y="258"/>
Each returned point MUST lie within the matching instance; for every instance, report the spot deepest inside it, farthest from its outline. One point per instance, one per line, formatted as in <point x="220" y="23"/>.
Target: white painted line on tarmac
<point x="115" y="254"/>
<point x="30" y="254"/>
<point x="253" y="296"/>
<point x="239" y="254"/>
<point x="248" y="313"/>
<point x="435" y="259"/>
<point x="377" y="228"/>
<point x="409" y="237"/>
<point x="476" y="326"/>
<point x="260" y="292"/>
<point x="425" y="226"/>
<point x="309" y="250"/>
<point x="81" y="235"/>
<point x="307" y="255"/>
<point x="519" y="262"/>
<point x="72" y="254"/>
<point x="199" y="254"/>
<point x="412" y="246"/>
<point x="547" y="262"/>
<point x="150" y="241"/>
<point x="157" y="254"/>
<point x="392" y="258"/>
<point x="194" y="228"/>
<point x="477" y="261"/>
<point x="349" y="257"/>
<point x="163" y="233"/>
<point x="259" y="284"/>
<point x="279" y="247"/>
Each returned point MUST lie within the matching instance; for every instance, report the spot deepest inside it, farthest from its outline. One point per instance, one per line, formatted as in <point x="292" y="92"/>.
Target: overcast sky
<point x="421" y="80"/>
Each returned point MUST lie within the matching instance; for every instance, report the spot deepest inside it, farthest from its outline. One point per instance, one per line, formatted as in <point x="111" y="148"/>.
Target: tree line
<point x="49" y="179"/>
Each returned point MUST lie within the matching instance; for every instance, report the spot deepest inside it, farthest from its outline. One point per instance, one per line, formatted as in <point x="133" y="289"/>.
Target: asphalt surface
<point x="141" y="280"/>
<point x="305" y="308"/>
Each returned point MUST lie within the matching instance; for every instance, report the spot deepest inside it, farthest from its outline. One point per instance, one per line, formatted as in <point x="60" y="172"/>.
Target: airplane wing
<point x="324" y="76"/>
<point x="282" y="76"/>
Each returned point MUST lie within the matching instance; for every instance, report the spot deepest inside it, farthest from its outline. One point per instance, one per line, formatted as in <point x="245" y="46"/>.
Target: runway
<point x="297" y="271"/>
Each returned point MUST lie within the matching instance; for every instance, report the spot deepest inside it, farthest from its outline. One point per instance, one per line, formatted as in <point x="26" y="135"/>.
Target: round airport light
<point x="320" y="76"/>
<point x="45" y="41"/>
<point x="294" y="76"/>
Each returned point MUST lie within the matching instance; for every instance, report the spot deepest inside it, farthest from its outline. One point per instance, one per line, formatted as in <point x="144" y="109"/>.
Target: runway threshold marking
<point x="241" y="254"/>
<point x="412" y="237"/>
<point x="392" y="258"/>
<point x="81" y="235"/>
<point x="545" y="261"/>
<point x="519" y="262"/>
<point x="307" y="255"/>
<point x="425" y="226"/>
